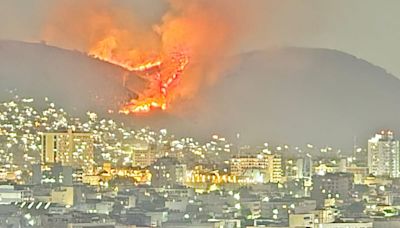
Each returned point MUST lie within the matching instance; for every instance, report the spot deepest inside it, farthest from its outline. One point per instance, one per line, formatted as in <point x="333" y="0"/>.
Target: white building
<point x="304" y="167"/>
<point x="8" y="195"/>
<point x="269" y="165"/>
<point x="67" y="147"/>
<point x="346" y="225"/>
<point x="384" y="155"/>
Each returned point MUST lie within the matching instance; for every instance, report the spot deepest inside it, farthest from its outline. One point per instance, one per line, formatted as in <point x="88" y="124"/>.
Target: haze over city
<point x="185" y="113"/>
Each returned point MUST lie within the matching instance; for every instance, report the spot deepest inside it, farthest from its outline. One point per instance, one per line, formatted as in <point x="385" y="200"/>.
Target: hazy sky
<point x="369" y="29"/>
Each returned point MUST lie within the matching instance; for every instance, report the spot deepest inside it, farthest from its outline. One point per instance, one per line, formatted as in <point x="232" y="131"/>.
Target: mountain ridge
<point x="287" y="95"/>
<point x="32" y="68"/>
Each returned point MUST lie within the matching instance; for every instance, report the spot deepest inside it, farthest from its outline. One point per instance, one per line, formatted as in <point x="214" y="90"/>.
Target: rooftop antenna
<point x="238" y="144"/>
<point x="354" y="147"/>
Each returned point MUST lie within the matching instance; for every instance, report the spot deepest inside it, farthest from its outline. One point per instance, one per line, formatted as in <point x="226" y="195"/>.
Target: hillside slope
<point x="69" y="77"/>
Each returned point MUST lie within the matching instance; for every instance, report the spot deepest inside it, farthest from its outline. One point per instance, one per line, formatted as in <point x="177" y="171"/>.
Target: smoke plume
<point x="204" y="31"/>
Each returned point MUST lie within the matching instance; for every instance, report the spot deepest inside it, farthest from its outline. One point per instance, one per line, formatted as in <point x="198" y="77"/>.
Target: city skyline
<point x="199" y="114"/>
<point x="142" y="159"/>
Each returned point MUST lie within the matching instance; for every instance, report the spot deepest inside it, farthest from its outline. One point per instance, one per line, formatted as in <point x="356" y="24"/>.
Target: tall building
<point x="57" y="174"/>
<point x="63" y="175"/>
<point x="274" y="168"/>
<point x="332" y="186"/>
<point x="67" y="148"/>
<point x="270" y="166"/>
<point x="384" y="155"/>
<point x="143" y="154"/>
<point x="304" y="167"/>
<point x="36" y="174"/>
<point x="167" y="172"/>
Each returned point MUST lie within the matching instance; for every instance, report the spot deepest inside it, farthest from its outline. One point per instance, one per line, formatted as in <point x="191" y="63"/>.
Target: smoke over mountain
<point x="205" y="32"/>
<point x="326" y="97"/>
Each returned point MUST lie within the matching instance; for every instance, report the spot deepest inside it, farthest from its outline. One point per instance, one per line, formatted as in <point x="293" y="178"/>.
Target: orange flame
<point x="161" y="73"/>
<point x="203" y="32"/>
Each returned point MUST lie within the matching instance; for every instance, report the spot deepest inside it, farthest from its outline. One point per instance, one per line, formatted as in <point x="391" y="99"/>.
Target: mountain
<point x="302" y="95"/>
<point x="71" y="78"/>
<point x="289" y="95"/>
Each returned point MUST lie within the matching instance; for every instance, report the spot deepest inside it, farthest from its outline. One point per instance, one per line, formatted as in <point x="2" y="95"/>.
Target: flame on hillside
<point x="176" y="57"/>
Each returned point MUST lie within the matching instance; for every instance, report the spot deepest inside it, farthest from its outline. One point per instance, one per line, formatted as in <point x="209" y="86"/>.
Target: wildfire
<point x="202" y="32"/>
<point x="162" y="73"/>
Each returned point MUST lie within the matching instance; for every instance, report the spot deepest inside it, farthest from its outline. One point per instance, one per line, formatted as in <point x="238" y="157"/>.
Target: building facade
<point x="143" y="154"/>
<point x="384" y="155"/>
<point x="268" y="165"/>
<point x="332" y="186"/>
<point x="67" y="148"/>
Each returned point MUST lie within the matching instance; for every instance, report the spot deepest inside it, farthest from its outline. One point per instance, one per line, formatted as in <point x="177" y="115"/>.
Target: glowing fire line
<point x="161" y="78"/>
<point x="128" y="67"/>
